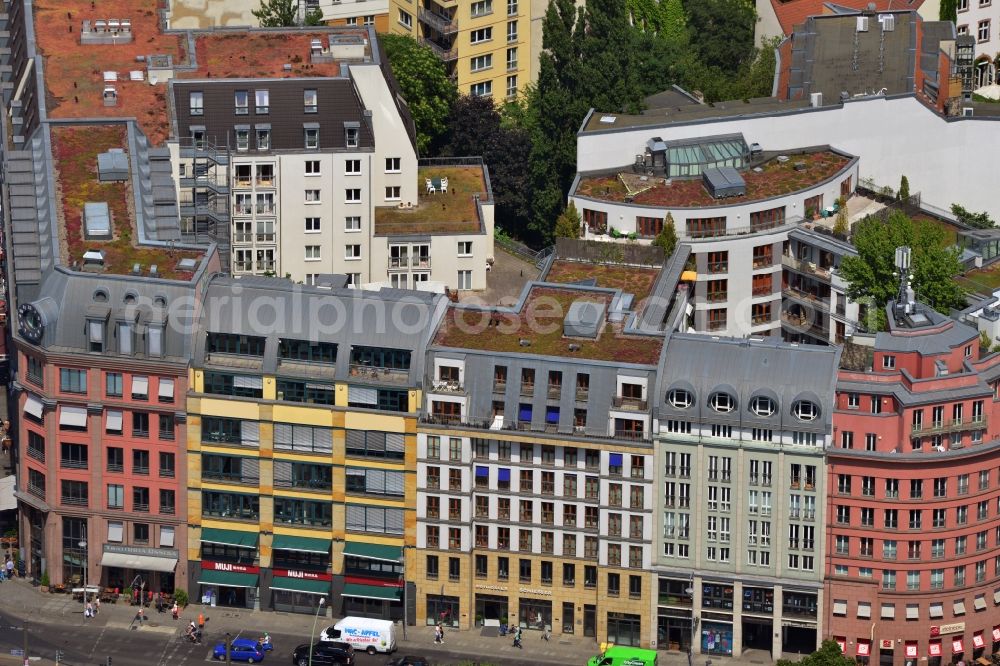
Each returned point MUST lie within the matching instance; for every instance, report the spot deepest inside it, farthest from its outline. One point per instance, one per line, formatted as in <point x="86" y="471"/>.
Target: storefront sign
<point x="304" y="575"/>
<point x="541" y="593"/>
<point x="842" y="644"/>
<point x="934" y="648"/>
<point x="864" y="648"/>
<point x="977" y="640"/>
<point x="956" y="646"/>
<point x="996" y="633"/>
<point x="141" y="550"/>
<point x="911" y="650"/>
<point x="945" y="629"/>
<point x="887" y="644"/>
<point x="491" y="588"/>
<point x="377" y="582"/>
<point x="229" y="566"/>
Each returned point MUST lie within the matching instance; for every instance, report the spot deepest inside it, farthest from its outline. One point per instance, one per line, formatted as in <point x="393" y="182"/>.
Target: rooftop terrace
<point x="773" y="179"/>
<point x="631" y="280"/>
<point x="539" y="323"/>
<point x="451" y="212"/>
<point x="74" y="72"/>
<point x="75" y="150"/>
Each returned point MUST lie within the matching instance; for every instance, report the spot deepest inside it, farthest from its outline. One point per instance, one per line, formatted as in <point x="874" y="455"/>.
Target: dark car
<point x="408" y="661"/>
<point x="241" y="649"/>
<point x="324" y="653"/>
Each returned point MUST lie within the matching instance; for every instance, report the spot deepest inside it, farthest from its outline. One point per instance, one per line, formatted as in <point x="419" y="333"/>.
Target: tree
<point x="476" y="127"/>
<point x="568" y="224"/>
<point x="721" y="31"/>
<point x="840" y="225"/>
<point x="667" y="238"/>
<point x="904" y="189"/>
<point x="314" y="17"/>
<point x="276" y="13"/>
<point x="948" y="11"/>
<point x="977" y="220"/>
<point x="984" y="342"/>
<point x="828" y="654"/>
<point x="425" y="85"/>
<point x="872" y="274"/>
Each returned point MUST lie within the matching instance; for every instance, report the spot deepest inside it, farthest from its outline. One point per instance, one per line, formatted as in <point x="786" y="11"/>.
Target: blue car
<point x="241" y="649"/>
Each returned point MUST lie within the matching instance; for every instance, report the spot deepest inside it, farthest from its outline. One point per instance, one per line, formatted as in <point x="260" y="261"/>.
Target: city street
<point x="92" y="644"/>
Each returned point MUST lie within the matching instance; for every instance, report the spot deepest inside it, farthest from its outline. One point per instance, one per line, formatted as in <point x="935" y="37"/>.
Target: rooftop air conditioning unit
<point x="888" y="22"/>
<point x="862" y="24"/>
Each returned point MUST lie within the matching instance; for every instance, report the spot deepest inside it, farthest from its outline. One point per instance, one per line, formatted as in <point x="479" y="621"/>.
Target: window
<point x="243" y="138"/>
<point x="72" y="381"/>
<point x="312" y="225"/>
<point x="888" y="362"/>
<point x="351" y="167"/>
<point x="464" y="280"/>
<point x="722" y="402"/>
<point x="804" y="410"/>
<point x="983" y="31"/>
<point x="511" y="31"/>
<point x="464" y="248"/>
<point x="482" y="8"/>
<point x="312" y="253"/>
<point x="197" y="103"/>
<point x="352" y="252"/>
<point x="479" y="63"/>
<point x="392" y="193"/>
<point x="113" y="384"/>
<point x="312" y="138"/>
<point x="512" y="58"/>
<point x="262" y="104"/>
<point x="310" y="101"/>
<point x="352" y="195"/>
<point x="392" y="165"/>
<point x="116" y="496"/>
<point x="242" y="102"/>
<point x="313" y="167"/>
<point x="483" y="89"/>
<point x="351" y="134"/>
<point x="352" y="223"/>
<point x="405" y="19"/>
<point x="312" y="196"/>
<point x="481" y="35"/>
<point x="263" y="138"/>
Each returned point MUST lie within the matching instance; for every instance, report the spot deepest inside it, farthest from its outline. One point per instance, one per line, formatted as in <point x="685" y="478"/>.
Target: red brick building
<point x="913" y="528"/>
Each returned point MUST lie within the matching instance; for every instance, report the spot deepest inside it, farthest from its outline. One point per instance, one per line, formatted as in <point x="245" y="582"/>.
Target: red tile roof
<point x="791" y="13"/>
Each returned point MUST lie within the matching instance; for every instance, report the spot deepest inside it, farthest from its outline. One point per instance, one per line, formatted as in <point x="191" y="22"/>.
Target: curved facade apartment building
<point x="913" y="528"/>
<point x="733" y="203"/>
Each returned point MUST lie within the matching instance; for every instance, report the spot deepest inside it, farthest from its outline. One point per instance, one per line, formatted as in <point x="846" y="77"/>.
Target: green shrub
<point x="181" y="597"/>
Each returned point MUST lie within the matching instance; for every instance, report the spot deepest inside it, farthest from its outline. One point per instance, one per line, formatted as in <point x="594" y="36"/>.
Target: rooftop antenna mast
<point x="905" y="300"/>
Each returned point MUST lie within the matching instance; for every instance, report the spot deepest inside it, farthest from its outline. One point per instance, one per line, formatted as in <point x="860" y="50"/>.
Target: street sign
<point x="16" y="652"/>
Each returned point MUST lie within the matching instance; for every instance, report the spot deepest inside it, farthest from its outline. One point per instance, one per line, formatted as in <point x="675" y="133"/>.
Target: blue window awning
<point x="504" y="474"/>
<point x="615" y="460"/>
<point x="524" y="413"/>
<point x="482" y="472"/>
<point x="552" y="415"/>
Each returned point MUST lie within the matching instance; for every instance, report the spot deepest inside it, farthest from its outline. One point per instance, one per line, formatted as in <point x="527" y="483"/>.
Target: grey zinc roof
<point x="276" y="308"/>
<point x="823" y="241"/>
<point x="786" y="372"/>
<point x="67" y="297"/>
<point x="945" y="335"/>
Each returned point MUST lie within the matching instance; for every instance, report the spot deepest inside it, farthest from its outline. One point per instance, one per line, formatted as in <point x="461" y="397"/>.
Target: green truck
<point x="620" y="655"/>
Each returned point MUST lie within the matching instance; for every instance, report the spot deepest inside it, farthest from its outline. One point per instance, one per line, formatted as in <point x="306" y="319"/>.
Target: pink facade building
<point x="913" y="529"/>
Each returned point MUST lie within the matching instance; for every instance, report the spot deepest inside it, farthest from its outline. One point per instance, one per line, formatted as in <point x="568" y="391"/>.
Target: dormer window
<point x="722" y="402"/>
<point x="95" y="335"/>
<point x="154" y="341"/>
<point x="804" y="410"/>
<point x="680" y="399"/>
<point x="888" y="362"/>
<point x="125" y="333"/>
<point x="197" y="106"/>
<point x="351" y="132"/>
<point x="761" y="405"/>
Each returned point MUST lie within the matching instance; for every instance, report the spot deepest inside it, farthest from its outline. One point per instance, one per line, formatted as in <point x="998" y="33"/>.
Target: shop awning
<point x="33" y="406"/>
<point x="373" y="551"/>
<point x="138" y="562"/>
<point x="321" y="587"/>
<point x="229" y="538"/>
<point x="303" y="544"/>
<point x="371" y="592"/>
<point x="958" y="607"/>
<point x="227" y="578"/>
<point x="935" y="609"/>
<point x="980" y="602"/>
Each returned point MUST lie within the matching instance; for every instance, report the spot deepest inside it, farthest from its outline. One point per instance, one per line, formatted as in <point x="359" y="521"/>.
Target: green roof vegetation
<point x="451" y="212"/>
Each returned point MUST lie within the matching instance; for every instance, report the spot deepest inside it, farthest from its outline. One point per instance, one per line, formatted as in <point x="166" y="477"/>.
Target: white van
<point x="363" y="633"/>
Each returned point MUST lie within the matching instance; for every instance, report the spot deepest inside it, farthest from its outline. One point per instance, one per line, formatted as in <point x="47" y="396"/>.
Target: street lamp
<point x="312" y="636"/>
<point x="83" y="547"/>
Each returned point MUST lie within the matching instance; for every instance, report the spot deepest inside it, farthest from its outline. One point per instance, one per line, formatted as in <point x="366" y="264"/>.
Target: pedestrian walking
<point x="97" y="605"/>
<point x="10" y="568"/>
<point x="201" y="622"/>
<point x="437" y="634"/>
<point x="441" y="629"/>
<point x="517" y="638"/>
<point x="88" y="610"/>
<point x="175" y="611"/>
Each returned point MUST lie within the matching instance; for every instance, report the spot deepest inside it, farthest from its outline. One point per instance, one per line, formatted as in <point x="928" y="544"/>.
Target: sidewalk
<point x="20" y="598"/>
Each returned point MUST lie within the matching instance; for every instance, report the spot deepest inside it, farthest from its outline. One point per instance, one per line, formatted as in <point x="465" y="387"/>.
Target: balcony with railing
<point x="390" y="375"/>
<point x="444" y="24"/>
<point x="977" y="422"/>
<point x="446" y="54"/>
<point x="399" y="262"/>
<point x="37" y="491"/>
<point x="811" y="300"/>
<point x="629" y="404"/>
<point x="579" y="431"/>
<point x="824" y="273"/>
